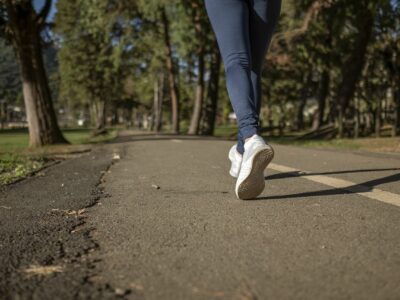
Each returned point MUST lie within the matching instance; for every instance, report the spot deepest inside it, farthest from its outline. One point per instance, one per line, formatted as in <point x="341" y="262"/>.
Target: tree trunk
<point x="157" y="104"/>
<point x="354" y="65"/>
<point x="25" y="37"/>
<point x="128" y="116"/>
<point x="158" y="121"/>
<point x="300" y="109"/>
<point x="323" y="94"/>
<point x="198" y="104"/>
<point x="378" y="116"/>
<point x="369" y="119"/>
<point x="3" y="114"/>
<point x="303" y="101"/>
<point x="210" y="112"/>
<point x="357" y="117"/>
<point x="93" y="114"/>
<point x="115" y="114"/>
<point x="396" y="123"/>
<point x="100" y="107"/>
<point x="171" y="73"/>
<point x="325" y="77"/>
<point x="300" y="115"/>
<point x="340" y="123"/>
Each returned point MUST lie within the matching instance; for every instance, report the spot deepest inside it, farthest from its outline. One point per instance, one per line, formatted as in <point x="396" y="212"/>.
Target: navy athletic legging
<point x="244" y="29"/>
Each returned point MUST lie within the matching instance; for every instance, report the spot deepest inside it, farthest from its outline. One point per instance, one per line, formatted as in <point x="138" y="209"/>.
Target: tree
<point x="210" y="111"/>
<point x="196" y="10"/>
<point x="10" y="82"/>
<point x="22" y="25"/>
<point x="91" y="54"/>
<point x="173" y="87"/>
<point x="355" y="61"/>
<point x="349" y="49"/>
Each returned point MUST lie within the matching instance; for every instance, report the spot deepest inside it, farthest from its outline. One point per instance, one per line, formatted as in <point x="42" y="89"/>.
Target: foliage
<point x="91" y="53"/>
<point x="10" y="83"/>
<point x="331" y="61"/>
<point x="330" y="45"/>
<point x="13" y="167"/>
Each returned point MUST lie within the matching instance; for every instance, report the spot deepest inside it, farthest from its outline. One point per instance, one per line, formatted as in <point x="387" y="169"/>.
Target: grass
<point x="382" y="144"/>
<point x="18" y="139"/>
<point x="18" y="161"/>
<point x="13" y="167"/>
<point x="225" y="131"/>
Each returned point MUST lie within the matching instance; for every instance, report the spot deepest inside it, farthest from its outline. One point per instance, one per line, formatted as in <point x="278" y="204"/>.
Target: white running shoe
<point x="257" y="155"/>
<point x="236" y="159"/>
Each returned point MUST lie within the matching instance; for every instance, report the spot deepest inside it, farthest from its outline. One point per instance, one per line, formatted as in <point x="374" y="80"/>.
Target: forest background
<point x="333" y="69"/>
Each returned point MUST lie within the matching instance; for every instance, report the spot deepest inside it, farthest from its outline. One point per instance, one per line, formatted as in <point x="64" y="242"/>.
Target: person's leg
<point x="264" y="15"/>
<point x="230" y="22"/>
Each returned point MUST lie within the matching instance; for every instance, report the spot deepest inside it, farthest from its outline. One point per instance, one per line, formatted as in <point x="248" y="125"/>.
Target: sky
<point x="38" y="4"/>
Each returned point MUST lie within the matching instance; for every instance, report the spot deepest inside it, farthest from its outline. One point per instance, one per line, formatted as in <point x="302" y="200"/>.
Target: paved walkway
<point x="173" y="229"/>
<point x="162" y="222"/>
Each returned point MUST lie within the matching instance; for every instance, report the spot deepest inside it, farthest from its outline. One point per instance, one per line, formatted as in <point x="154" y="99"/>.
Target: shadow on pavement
<point x="367" y="186"/>
<point x="299" y="173"/>
<point x="165" y="136"/>
<point x="363" y="187"/>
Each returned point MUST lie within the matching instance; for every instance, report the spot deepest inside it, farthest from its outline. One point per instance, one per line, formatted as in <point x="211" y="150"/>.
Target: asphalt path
<point x="172" y="227"/>
<point x="156" y="217"/>
<point x="44" y="238"/>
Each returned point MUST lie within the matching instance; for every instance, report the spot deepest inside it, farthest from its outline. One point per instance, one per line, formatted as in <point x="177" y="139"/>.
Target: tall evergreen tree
<point x="90" y="54"/>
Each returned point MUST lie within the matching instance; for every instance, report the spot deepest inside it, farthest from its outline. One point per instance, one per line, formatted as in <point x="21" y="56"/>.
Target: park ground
<point x="17" y="161"/>
<point x="149" y="216"/>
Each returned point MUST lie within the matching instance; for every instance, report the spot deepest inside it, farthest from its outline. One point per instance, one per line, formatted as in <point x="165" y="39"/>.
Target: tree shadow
<point x="363" y="187"/>
<point x="300" y="173"/>
<point x="163" y="137"/>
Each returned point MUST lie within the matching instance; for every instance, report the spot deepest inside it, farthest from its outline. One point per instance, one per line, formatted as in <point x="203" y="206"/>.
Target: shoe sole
<point x="254" y="184"/>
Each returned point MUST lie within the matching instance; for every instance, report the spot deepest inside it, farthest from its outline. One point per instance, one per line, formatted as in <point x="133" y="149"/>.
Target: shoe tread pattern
<point x="254" y="184"/>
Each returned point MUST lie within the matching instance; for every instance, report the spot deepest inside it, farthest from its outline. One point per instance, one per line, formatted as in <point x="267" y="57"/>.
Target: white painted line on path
<point x="359" y="189"/>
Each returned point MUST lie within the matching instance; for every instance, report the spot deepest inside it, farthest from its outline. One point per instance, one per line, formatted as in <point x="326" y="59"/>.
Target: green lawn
<point x="13" y="167"/>
<point x="226" y="131"/>
<point x="17" y="139"/>
<point x="382" y="144"/>
<point x="18" y="161"/>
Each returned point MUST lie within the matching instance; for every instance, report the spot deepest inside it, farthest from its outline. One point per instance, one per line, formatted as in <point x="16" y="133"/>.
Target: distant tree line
<point x="342" y="59"/>
<point x="333" y="66"/>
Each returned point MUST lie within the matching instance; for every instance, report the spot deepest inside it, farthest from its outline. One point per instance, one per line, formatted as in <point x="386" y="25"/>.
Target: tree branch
<point x="288" y="37"/>
<point x="42" y="16"/>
